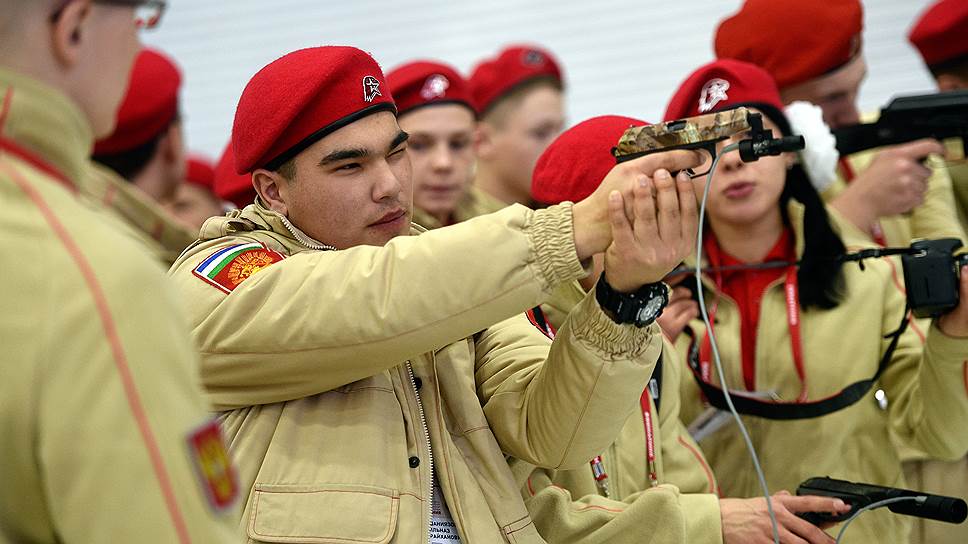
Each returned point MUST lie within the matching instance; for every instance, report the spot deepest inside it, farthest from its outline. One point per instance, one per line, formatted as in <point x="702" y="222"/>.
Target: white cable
<point x="712" y="341"/>
<point x="878" y="504"/>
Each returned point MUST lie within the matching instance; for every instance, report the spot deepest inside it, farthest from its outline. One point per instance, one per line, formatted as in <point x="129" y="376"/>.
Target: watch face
<point x="651" y="310"/>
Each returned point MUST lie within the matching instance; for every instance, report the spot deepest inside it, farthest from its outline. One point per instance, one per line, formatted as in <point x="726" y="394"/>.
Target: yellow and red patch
<point x="213" y="465"/>
<point x="228" y="267"/>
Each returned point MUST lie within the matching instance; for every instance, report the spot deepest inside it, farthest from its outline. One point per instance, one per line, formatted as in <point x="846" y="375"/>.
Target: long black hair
<point x="820" y="277"/>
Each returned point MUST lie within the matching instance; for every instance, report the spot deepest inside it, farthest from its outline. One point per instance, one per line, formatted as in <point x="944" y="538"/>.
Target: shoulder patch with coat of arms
<point x="228" y="267"/>
<point x="213" y="465"/>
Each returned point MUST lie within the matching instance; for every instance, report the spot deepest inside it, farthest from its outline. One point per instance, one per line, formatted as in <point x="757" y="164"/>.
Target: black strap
<point x="655" y="384"/>
<point x="751" y="406"/>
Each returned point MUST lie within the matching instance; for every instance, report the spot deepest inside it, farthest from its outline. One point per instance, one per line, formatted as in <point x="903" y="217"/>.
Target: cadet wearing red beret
<point x="519" y="96"/>
<point x="436" y="109"/>
<point x="813" y="52"/>
<point x="941" y="36"/>
<point x="137" y="170"/>
<point x="372" y="382"/>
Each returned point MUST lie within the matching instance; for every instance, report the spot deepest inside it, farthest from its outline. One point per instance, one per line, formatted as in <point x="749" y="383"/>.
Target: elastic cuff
<point x="592" y="327"/>
<point x="704" y="522"/>
<point x="552" y="234"/>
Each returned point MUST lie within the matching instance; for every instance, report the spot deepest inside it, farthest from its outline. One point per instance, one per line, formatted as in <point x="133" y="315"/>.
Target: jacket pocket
<point x="332" y="513"/>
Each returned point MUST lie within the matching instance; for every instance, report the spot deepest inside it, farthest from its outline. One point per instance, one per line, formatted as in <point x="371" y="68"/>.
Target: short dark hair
<point x="132" y="162"/>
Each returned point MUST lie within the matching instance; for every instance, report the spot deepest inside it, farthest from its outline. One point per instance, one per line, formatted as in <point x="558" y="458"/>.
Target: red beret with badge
<point x="941" y="33"/>
<point x="720" y="85"/>
<point x="794" y="40"/>
<point x="575" y="164"/>
<point x="298" y="99"/>
<point x="230" y="186"/>
<point x="148" y="108"/>
<point x="200" y="171"/>
<point x="423" y="83"/>
<point x="515" y="65"/>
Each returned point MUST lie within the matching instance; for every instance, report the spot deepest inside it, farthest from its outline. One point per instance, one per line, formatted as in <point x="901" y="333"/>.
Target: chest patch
<point x="228" y="267"/>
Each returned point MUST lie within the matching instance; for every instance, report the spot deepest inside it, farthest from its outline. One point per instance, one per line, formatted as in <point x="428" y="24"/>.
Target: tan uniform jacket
<point x="334" y="367"/>
<point x="100" y="396"/>
<point x="474" y="203"/>
<point x="162" y="235"/>
<point x="933" y="476"/>
<point x="936" y="217"/>
<point x="567" y="506"/>
<point x="925" y="386"/>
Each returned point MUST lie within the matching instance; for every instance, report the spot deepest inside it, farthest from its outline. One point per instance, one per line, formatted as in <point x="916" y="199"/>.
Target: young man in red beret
<point x="138" y="168"/>
<point x="519" y="96"/>
<point x="106" y="437"/>
<point x="372" y="382"/>
<point x="939" y="35"/>
<point x="814" y="53"/>
<point x="195" y="200"/>
<point x="435" y="108"/>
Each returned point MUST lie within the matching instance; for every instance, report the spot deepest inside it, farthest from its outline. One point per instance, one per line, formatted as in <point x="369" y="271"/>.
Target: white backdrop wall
<point x="620" y="56"/>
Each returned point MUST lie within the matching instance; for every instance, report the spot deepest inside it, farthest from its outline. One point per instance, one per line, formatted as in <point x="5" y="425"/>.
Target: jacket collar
<point x="45" y="122"/>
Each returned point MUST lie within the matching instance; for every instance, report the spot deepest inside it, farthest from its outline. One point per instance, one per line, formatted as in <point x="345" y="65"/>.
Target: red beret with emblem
<point x="148" y="108"/>
<point x="941" y="33"/>
<point x="423" y="83"/>
<point x="515" y="65"/>
<point x="794" y="40"/>
<point x="723" y="84"/>
<point x="200" y="171"/>
<point x="575" y="164"/>
<point x="298" y="99"/>
<point x="230" y="186"/>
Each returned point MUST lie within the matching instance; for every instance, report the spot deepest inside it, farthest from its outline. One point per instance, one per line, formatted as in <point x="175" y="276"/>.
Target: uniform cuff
<point x="592" y="327"/>
<point x="704" y="522"/>
<point x="552" y="233"/>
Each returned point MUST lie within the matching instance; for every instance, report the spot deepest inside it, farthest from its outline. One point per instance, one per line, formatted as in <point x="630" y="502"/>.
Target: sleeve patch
<point x="213" y="466"/>
<point x="228" y="267"/>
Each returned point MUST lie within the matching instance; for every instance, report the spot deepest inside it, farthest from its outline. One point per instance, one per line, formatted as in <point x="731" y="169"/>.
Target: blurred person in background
<point x="814" y="52"/>
<point x="435" y="108"/>
<point x="195" y="200"/>
<point x="106" y="437"/>
<point x="138" y="168"/>
<point x="940" y="35"/>
<point x="519" y="97"/>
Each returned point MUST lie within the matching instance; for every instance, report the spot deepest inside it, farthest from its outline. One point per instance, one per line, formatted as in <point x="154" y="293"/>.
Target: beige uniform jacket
<point x="936" y="217"/>
<point x="474" y="203"/>
<point x="347" y="377"/>
<point x="160" y="233"/>
<point x="105" y="436"/>
<point x="567" y="506"/>
<point x="933" y="476"/>
<point x="925" y="385"/>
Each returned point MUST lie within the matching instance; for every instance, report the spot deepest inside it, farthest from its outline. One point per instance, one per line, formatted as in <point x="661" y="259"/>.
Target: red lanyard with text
<point x="646" y="401"/>
<point x="793" y="321"/>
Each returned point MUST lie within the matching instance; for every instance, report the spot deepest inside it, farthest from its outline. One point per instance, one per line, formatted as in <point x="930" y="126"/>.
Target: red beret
<point x="577" y="161"/>
<point x="494" y="78"/>
<point x="794" y="40"/>
<point x="421" y="83"/>
<point x="296" y="100"/>
<point x="200" y="171"/>
<point x="722" y="84"/>
<point x="236" y="188"/>
<point x="941" y="33"/>
<point x="149" y="107"/>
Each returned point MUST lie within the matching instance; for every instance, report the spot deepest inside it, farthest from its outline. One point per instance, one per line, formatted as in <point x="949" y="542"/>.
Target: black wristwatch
<point x="640" y="308"/>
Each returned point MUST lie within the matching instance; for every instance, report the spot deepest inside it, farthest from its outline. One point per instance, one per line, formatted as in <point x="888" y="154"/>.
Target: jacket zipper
<point x="430" y="454"/>
<point x="302" y="238"/>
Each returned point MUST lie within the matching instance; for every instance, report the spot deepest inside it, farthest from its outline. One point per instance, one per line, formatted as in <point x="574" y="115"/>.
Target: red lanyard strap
<point x="752" y="406"/>
<point x="650" y="467"/>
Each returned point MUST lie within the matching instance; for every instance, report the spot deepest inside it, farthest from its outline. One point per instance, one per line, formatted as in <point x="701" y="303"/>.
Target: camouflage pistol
<point x="704" y="132"/>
